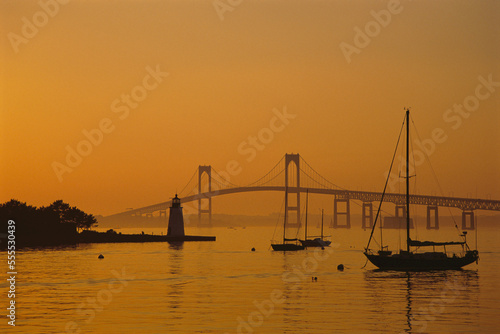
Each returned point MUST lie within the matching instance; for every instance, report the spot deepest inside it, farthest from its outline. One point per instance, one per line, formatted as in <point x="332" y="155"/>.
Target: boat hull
<point x="315" y="243"/>
<point x="421" y="261"/>
<point x="287" y="247"/>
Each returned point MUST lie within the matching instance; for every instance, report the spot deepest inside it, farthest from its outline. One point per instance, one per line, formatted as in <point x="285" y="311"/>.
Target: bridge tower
<point x="344" y="200"/>
<point x="208" y="187"/>
<point x="468" y="214"/>
<point x="295" y="158"/>
<point x="400" y="210"/>
<point x="163" y="214"/>
<point x="432" y="210"/>
<point x="367" y="215"/>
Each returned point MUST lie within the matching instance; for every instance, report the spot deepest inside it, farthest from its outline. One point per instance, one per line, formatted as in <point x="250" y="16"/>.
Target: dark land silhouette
<point x="56" y="224"/>
<point x="60" y="224"/>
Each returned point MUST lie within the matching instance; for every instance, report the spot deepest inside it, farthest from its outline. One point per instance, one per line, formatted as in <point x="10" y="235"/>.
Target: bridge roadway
<point x="365" y="196"/>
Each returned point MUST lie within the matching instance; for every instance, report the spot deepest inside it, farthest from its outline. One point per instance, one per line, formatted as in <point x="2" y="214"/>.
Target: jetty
<point x="175" y="231"/>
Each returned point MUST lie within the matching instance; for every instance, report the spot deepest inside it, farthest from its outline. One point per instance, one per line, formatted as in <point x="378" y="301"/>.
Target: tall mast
<point x="408" y="180"/>
<point x="307" y="202"/>
<point x="286" y="206"/>
<point x="381" y="240"/>
<point x="322" y="224"/>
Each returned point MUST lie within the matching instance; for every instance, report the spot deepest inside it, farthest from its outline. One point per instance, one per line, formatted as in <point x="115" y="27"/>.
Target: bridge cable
<point x="191" y="179"/>
<point x="223" y="180"/>
<point x="339" y="187"/>
<point x="273" y="178"/>
<point x="326" y="187"/>
<point x="250" y="184"/>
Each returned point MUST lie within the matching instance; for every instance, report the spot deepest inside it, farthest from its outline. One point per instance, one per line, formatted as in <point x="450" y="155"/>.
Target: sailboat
<point x="286" y="246"/>
<point x="409" y="259"/>
<point x="316" y="242"/>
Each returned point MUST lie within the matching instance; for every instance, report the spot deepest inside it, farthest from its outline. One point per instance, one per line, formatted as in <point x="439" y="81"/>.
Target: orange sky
<point x="74" y="70"/>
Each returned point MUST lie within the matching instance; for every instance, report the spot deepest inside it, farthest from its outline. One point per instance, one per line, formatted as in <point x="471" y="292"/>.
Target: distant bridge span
<point x="288" y="174"/>
<point x="466" y="204"/>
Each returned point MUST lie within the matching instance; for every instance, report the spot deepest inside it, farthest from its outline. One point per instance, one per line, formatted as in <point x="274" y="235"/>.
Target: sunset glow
<point x="345" y="70"/>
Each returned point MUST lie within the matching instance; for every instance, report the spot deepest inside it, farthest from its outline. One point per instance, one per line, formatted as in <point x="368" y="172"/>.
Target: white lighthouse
<point x="175" y="220"/>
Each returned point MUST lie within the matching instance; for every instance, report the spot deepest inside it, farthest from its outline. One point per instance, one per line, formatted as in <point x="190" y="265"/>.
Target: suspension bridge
<point x="293" y="173"/>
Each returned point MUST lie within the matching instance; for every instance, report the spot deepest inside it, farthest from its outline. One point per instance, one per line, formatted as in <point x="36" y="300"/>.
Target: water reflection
<point x="175" y="289"/>
<point x="56" y="248"/>
<point x="430" y="298"/>
<point x="176" y="245"/>
<point x="297" y="270"/>
<point x="408" y="301"/>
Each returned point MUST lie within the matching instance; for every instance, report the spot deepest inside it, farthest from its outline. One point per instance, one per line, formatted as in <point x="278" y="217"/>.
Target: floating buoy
<point x="340" y="267"/>
<point x="100" y="256"/>
<point x="253" y="249"/>
<point x="314" y="279"/>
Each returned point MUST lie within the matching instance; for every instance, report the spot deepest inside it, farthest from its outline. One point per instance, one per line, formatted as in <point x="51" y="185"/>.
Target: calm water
<point x="223" y="287"/>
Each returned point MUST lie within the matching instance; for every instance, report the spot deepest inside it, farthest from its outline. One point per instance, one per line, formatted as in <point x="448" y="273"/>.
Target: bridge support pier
<point x="470" y="215"/>
<point x="207" y="170"/>
<point x="432" y="209"/>
<point x="337" y="212"/>
<point x="163" y="214"/>
<point x="367" y="215"/>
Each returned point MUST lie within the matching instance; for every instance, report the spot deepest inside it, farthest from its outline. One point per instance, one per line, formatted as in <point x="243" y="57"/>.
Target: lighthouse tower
<point x="175" y="220"/>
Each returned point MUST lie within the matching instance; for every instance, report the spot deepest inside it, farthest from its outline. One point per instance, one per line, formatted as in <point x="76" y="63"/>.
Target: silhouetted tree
<point x="84" y="221"/>
<point x="73" y="215"/>
<point x="15" y="209"/>
<point x="62" y="209"/>
<point x="56" y="224"/>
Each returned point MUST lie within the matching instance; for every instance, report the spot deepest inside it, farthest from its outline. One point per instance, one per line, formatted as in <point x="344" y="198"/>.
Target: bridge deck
<point x="365" y="196"/>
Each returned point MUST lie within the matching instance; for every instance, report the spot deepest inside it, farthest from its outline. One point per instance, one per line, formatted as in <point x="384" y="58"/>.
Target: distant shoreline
<point x="94" y="237"/>
<point x="113" y="237"/>
<point x="224" y="220"/>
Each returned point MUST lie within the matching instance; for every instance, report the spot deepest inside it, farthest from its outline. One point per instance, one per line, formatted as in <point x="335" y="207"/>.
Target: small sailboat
<point x="316" y="242"/>
<point x="287" y="244"/>
<point x="410" y="259"/>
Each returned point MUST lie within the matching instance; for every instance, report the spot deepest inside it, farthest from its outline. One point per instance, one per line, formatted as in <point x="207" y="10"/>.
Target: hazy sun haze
<point x="227" y="79"/>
